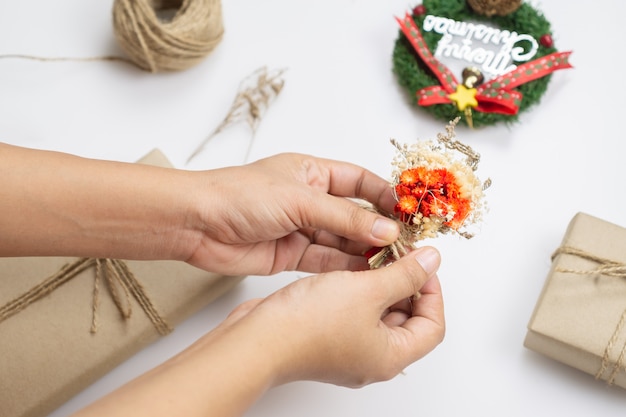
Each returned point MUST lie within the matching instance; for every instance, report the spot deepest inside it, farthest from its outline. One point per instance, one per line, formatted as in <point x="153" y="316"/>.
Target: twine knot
<point x="115" y="272"/>
<point x="605" y="266"/>
<point x="608" y="268"/>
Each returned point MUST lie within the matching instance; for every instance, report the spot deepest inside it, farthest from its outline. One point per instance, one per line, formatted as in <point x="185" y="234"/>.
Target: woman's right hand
<point x="349" y="328"/>
<point x="345" y="328"/>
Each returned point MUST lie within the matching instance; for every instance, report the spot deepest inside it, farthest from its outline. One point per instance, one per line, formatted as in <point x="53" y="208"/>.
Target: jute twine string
<point x="116" y="274"/>
<point x="155" y="44"/>
<point x="609" y="268"/>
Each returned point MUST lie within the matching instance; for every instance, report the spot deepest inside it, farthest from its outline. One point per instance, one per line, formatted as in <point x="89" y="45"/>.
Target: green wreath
<point x="414" y="75"/>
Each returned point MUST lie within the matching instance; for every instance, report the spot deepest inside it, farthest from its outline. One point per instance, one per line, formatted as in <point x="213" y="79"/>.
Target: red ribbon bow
<point x="497" y="95"/>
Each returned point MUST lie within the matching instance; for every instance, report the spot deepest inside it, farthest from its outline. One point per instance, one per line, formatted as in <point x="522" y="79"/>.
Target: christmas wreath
<point x="435" y="88"/>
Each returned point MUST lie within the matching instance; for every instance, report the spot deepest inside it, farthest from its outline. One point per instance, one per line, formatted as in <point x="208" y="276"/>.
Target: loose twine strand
<point x="116" y="274"/>
<point x="155" y="44"/>
<point x="609" y="268"/>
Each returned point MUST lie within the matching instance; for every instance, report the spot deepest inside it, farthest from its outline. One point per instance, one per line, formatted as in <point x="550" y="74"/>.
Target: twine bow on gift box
<point x="117" y="276"/>
<point x="496" y="96"/>
<point x="608" y="268"/>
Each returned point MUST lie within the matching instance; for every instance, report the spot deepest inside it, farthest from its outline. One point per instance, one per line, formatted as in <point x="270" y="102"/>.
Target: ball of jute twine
<point x="175" y="44"/>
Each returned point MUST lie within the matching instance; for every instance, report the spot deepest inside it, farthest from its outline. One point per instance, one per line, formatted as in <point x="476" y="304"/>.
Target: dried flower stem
<point x="256" y="92"/>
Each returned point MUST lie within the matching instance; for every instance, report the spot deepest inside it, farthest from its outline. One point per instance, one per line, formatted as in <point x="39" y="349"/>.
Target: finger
<point x="406" y="277"/>
<point x="426" y="329"/>
<point x="345" y="218"/>
<point x="398" y="313"/>
<point x="295" y="253"/>
<point x="317" y="259"/>
<point x="404" y="306"/>
<point x="349" y="180"/>
<point x="430" y="304"/>
<point x="324" y="238"/>
<point x="395" y="318"/>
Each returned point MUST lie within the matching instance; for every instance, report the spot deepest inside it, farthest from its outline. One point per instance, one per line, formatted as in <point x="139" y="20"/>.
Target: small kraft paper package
<point x="580" y="317"/>
<point x="65" y="322"/>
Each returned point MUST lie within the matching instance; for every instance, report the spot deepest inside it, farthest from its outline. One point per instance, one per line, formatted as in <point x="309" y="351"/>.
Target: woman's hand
<point x="289" y="212"/>
<point x="282" y="213"/>
<point x="346" y="328"/>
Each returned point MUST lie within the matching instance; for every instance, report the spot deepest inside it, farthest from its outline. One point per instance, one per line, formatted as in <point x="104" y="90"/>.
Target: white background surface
<point x="342" y="101"/>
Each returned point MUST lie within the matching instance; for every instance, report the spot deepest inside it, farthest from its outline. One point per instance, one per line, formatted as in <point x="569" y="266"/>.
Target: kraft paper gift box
<point x="48" y="352"/>
<point x="580" y="317"/>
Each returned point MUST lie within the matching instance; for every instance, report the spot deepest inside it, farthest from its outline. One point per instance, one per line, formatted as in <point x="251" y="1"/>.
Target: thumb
<point x="405" y="277"/>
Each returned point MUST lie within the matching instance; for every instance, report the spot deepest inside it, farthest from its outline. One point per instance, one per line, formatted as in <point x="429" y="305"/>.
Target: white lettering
<point x="517" y="52"/>
<point x="492" y="61"/>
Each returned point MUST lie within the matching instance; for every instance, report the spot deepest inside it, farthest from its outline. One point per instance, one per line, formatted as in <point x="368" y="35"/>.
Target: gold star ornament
<point x="465" y="99"/>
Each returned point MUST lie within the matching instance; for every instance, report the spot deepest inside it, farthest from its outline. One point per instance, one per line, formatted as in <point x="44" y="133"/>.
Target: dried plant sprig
<point x="255" y="94"/>
<point x="436" y="190"/>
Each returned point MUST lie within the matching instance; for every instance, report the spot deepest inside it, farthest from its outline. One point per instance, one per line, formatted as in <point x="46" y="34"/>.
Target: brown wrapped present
<point x="65" y="322"/>
<point x="580" y="318"/>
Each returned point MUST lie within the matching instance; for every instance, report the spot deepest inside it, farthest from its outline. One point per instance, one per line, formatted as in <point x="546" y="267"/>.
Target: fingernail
<point x="429" y="258"/>
<point x="385" y="230"/>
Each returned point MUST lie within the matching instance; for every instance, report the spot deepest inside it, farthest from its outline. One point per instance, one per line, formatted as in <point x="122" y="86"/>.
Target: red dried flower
<point x="431" y="192"/>
<point x="437" y="191"/>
